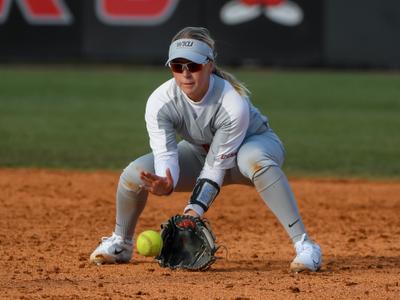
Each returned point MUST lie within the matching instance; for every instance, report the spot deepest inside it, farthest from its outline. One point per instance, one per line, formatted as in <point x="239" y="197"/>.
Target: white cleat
<point x="309" y="256"/>
<point x="111" y="250"/>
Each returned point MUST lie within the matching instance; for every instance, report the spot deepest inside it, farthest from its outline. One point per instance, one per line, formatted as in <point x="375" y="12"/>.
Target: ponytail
<point x="237" y="85"/>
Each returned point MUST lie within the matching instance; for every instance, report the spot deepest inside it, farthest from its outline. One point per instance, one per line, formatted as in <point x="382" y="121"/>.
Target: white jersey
<point x="216" y="126"/>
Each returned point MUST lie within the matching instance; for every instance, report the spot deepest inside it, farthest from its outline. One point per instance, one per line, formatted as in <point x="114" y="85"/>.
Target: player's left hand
<point x="157" y="185"/>
<point x="188" y="243"/>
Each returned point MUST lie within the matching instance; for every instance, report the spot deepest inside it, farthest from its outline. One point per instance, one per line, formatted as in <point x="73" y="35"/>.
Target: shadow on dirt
<point x="336" y="265"/>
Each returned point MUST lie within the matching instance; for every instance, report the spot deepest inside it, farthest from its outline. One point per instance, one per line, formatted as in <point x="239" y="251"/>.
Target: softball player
<point x="225" y="140"/>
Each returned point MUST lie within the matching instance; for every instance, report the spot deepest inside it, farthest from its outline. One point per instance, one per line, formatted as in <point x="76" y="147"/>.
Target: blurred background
<point x="295" y="33"/>
<point x="75" y="76"/>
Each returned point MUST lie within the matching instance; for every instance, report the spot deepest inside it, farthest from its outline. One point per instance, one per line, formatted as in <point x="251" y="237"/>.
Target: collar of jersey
<point x="203" y="100"/>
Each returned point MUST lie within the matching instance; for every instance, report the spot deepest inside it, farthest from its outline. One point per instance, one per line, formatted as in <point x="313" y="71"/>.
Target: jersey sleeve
<point x="232" y="123"/>
<point x="160" y="128"/>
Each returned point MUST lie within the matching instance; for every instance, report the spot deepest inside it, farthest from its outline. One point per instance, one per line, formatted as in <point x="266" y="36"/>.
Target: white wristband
<point x="197" y="208"/>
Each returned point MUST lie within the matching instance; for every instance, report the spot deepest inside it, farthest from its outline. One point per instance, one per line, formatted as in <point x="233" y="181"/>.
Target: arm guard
<point x="204" y="193"/>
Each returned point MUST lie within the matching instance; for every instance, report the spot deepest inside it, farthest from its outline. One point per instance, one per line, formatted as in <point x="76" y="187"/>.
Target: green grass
<point x="335" y="124"/>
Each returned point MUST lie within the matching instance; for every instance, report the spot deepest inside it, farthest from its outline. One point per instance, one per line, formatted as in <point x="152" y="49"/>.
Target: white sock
<point x="129" y="206"/>
<point x="274" y="188"/>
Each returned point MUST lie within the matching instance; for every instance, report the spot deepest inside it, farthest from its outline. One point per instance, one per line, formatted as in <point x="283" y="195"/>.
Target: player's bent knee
<point x="251" y="168"/>
<point x="130" y="177"/>
<point x="250" y="163"/>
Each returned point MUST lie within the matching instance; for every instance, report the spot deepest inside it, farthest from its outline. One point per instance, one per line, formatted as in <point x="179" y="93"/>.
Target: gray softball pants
<point x="258" y="163"/>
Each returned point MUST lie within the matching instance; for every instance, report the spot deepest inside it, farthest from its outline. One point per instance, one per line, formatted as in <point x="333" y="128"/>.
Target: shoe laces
<point x="304" y="245"/>
<point x="114" y="239"/>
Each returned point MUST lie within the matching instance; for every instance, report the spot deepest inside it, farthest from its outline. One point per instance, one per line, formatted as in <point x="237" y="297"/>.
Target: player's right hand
<point x="157" y="185"/>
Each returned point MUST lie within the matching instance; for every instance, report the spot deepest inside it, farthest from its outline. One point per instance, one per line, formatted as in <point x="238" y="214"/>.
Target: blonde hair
<point x="202" y="34"/>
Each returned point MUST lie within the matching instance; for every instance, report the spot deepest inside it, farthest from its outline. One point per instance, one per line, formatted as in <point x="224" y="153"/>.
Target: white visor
<point x="190" y="49"/>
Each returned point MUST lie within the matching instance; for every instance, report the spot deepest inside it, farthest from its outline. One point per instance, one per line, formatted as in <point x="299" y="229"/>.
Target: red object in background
<point x="112" y="12"/>
<point x="135" y="8"/>
<point x="150" y="12"/>
<point x="43" y="8"/>
<point x="52" y="12"/>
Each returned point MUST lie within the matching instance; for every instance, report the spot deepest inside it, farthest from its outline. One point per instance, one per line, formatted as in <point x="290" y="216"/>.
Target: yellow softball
<point x="149" y="243"/>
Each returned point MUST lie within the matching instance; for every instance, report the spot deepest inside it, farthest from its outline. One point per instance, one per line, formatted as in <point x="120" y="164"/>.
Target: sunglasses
<point x="190" y="66"/>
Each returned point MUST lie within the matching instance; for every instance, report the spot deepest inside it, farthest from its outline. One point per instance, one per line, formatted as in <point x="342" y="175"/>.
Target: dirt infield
<point x="52" y="220"/>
